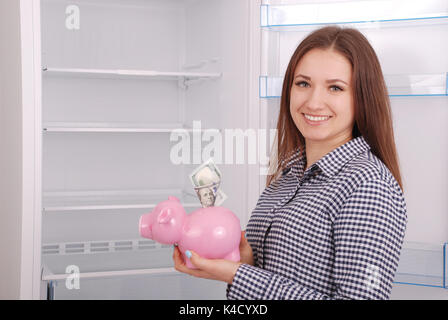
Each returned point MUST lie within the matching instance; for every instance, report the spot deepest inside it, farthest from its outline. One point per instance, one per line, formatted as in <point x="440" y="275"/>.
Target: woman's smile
<point x="315" y="120"/>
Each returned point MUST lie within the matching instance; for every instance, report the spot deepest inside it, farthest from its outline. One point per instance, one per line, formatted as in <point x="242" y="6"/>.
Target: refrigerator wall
<point x="17" y="164"/>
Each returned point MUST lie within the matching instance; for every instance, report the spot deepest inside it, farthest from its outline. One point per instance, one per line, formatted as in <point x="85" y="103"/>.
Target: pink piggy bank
<point x="213" y="232"/>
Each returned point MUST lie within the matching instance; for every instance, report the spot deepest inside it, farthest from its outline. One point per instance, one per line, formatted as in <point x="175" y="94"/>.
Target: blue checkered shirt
<point x="333" y="231"/>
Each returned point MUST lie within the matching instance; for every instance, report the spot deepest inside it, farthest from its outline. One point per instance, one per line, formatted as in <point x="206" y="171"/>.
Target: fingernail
<point x="188" y="254"/>
<point x="245" y="235"/>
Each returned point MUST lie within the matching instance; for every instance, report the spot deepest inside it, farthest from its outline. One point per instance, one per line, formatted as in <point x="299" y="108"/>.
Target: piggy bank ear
<point x="173" y="198"/>
<point x="164" y="216"/>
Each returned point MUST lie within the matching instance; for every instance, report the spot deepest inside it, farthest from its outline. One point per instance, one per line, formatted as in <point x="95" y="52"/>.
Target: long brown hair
<point x="373" y="116"/>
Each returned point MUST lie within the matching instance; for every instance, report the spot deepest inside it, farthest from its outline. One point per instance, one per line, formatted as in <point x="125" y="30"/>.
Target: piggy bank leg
<point x="234" y="255"/>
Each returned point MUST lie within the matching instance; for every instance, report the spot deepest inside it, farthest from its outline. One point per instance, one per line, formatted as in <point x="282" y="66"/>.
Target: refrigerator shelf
<point x="118" y="127"/>
<point x="108" y="274"/>
<point x="111" y="200"/>
<point x="423" y="264"/>
<point x="100" y="259"/>
<point x="398" y="85"/>
<point x="374" y="14"/>
<point x="127" y="74"/>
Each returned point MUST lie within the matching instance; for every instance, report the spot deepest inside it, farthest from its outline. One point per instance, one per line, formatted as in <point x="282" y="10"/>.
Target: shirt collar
<point x="332" y="162"/>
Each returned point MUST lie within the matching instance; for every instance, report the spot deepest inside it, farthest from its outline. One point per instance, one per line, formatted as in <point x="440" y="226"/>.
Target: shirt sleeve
<point x="368" y="235"/>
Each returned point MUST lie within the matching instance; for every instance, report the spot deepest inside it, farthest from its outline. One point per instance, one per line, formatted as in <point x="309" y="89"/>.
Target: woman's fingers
<point x="198" y="261"/>
<point x="180" y="265"/>
<point x="216" y="269"/>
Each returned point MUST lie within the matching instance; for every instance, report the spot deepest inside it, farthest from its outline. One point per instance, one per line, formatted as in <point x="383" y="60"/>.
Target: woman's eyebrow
<point x="303" y="76"/>
<point x="328" y="81"/>
<point x="336" y="80"/>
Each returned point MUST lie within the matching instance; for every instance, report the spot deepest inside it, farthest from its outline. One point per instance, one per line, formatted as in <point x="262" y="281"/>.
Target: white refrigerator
<point x="127" y="97"/>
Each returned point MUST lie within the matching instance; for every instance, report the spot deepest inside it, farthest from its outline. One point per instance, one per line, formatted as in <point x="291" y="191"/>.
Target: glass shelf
<point x="417" y="84"/>
<point x="110" y="200"/>
<point x="127" y="74"/>
<point x="110" y="127"/>
<point x="398" y="85"/>
<point x="270" y="87"/>
<point x="119" y="127"/>
<point x="352" y="12"/>
<point x="423" y="265"/>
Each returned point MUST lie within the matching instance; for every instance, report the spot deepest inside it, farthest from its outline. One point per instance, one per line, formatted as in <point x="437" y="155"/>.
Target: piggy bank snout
<point x="145" y="227"/>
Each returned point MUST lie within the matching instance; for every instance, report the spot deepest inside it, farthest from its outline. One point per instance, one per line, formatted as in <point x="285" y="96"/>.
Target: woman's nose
<point x="316" y="99"/>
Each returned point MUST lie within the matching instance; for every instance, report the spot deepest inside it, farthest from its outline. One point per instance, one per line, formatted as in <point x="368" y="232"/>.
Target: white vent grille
<point x="100" y="246"/>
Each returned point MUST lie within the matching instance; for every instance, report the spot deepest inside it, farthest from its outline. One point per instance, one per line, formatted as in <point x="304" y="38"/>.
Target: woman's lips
<point x="315" y="123"/>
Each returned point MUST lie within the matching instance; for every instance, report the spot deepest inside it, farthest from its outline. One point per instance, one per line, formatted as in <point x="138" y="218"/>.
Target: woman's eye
<point x="302" y="84"/>
<point x="335" y="88"/>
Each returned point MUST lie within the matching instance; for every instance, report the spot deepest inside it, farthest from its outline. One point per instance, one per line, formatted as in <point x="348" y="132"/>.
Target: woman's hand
<point x="215" y="269"/>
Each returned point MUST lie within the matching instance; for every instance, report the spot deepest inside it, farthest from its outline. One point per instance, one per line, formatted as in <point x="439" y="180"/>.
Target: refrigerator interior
<point x="409" y="43"/>
<point x="118" y="77"/>
<point x="114" y="88"/>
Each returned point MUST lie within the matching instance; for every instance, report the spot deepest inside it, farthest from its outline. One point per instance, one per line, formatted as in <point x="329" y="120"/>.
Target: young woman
<point x="331" y="221"/>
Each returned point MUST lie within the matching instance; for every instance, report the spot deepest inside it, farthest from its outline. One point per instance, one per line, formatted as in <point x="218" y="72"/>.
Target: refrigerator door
<point x="408" y="39"/>
<point x="130" y="91"/>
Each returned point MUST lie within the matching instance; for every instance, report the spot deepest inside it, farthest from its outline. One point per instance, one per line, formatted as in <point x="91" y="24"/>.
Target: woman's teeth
<point x="316" y="118"/>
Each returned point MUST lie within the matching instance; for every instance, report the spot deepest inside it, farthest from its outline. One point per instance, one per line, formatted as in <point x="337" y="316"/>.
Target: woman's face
<point x="322" y="104"/>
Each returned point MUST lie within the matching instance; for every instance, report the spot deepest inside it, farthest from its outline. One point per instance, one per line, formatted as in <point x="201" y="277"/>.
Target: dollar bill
<point x="207" y="173"/>
<point x="206" y="180"/>
<point x="220" y="198"/>
<point x="209" y="196"/>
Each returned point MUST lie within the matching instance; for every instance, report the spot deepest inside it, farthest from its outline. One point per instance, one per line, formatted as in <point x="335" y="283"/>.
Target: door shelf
<point x="423" y="264"/>
<point x="127" y="74"/>
<point x="398" y="85"/>
<point x="373" y="14"/>
<point x="113" y="200"/>
<point x="118" y="127"/>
